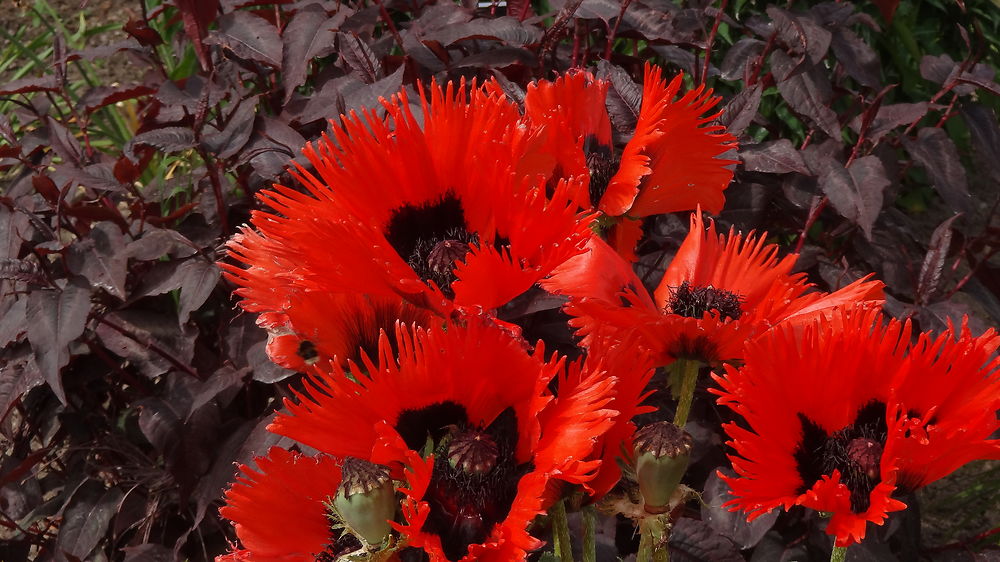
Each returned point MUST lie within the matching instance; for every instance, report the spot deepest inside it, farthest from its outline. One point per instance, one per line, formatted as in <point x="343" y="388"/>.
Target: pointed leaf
<point x="57" y="319"/>
<point x="856" y="193"/>
<point x="100" y="258"/>
<point x="308" y="35"/>
<point x="732" y="524"/>
<point x="85" y="521"/>
<point x="198" y="278"/>
<point x="774" y="157"/>
<point x="930" y="271"/>
<point x="937" y="154"/>
<point x="248" y="37"/>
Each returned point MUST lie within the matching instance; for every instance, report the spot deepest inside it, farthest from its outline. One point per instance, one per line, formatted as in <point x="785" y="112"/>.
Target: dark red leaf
<point x="744" y="52"/>
<point x="859" y="60"/>
<point x="144" y="34"/>
<point x="890" y="117"/>
<point x="148" y="552"/>
<point x="125" y="171"/>
<point x="19" y="375"/>
<point x="168" y="139"/>
<point x="13" y="319"/>
<point x="985" y="135"/>
<point x="936" y="152"/>
<point x="520" y="9"/>
<point x="505" y="29"/>
<point x="856" y="192"/>
<point x="691" y="539"/>
<point x="197" y="279"/>
<point x="46" y="188"/>
<point x="624" y="97"/>
<point x="63" y="142"/>
<point x="86" y="519"/>
<point x="808" y="93"/>
<point x="933" y="266"/>
<point x="148" y="340"/>
<point x="248" y="37"/>
<point x="368" y="95"/>
<point x="234" y="136"/>
<point x="102" y="52"/>
<point x="99" y="257"/>
<point x="804" y="38"/>
<point x="308" y="35"/>
<point x="105" y="95"/>
<point x="197" y="15"/>
<point x="731" y="524"/>
<point x="938" y="69"/>
<point x="160" y="423"/>
<point x="46" y="83"/>
<point x="58" y="317"/>
<point x="774" y="157"/>
<point x="887" y="8"/>
<point x="359" y="56"/>
<point x="158" y="242"/>
<point x="740" y="111"/>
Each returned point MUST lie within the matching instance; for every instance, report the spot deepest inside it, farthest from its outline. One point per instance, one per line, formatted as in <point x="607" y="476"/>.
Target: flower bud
<point x="366" y="500"/>
<point x="662" y="453"/>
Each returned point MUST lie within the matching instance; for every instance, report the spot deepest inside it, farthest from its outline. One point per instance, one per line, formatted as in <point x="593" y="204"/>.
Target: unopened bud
<point x="662" y="453"/>
<point x="366" y="500"/>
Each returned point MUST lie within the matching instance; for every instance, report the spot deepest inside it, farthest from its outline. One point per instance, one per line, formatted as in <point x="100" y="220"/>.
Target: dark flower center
<point x="602" y="166"/>
<point x="431" y="238"/>
<point x="694" y="302"/>
<point x="475" y="476"/>
<point x="856" y="451"/>
<point x="341" y="543"/>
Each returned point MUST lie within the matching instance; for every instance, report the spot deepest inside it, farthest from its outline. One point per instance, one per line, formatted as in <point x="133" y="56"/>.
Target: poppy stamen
<point x="694" y="302"/>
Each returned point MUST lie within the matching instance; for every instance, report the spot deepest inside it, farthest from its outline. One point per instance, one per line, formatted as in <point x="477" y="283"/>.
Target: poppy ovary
<point x="473" y="451"/>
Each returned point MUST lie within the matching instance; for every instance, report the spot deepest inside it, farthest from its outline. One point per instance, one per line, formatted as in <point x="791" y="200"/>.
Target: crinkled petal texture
<point x="386" y="193"/>
<point x="841" y="412"/>
<point x="671" y="162"/>
<point x="606" y="295"/>
<point x="447" y="380"/>
<point x="278" y="510"/>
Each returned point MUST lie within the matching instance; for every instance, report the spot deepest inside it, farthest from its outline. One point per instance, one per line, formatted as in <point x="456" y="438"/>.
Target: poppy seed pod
<point x="366" y="500"/>
<point x="662" y="453"/>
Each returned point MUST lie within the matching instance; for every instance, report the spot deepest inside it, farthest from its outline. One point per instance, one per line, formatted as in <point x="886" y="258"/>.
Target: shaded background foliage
<point x="132" y="143"/>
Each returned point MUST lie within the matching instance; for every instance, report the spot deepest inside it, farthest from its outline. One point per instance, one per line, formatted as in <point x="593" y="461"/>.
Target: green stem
<point x="589" y="534"/>
<point x="560" y="532"/>
<point x="839" y="554"/>
<point x="653" y="540"/>
<point x="689" y="378"/>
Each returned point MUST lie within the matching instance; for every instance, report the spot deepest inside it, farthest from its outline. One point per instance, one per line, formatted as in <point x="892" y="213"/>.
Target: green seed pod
<point x="662" y="453"/>
<point x="366" y="499"/>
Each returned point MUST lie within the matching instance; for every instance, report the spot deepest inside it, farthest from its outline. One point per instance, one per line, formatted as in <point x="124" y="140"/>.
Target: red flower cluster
<point x="438" y="431"/>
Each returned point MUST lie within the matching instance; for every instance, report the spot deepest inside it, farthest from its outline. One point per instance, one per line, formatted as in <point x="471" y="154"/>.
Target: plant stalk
<point x="589" y="534"/>
<point x="839" y="554"/>
<point x="560" y="532"/>
<point x="689" y="379"/>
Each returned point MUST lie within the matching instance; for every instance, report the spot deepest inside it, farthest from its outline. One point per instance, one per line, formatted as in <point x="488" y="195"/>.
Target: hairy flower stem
<point x="589" y="531"/>
<point x="839" y="554"/>
<point x="688" y="369"/>
<point x="653" y="538"/>
<point x="560" y="532"/>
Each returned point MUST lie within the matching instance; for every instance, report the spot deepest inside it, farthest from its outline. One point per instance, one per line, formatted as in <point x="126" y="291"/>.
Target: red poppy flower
<point x="438" y="214"/>
<point x="718" y="291"/>
<point x="841" y="413"/>
<point x="480" y="403"/>
<point x="670" y="164"/>
<point x="279" y="510"/>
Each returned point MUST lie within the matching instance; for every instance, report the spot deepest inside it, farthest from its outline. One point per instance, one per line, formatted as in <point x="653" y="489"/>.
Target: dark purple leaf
<point x="140" y="30"/>
<point x="738" y="56"/>
<point x="102" y="52"/>
<point x="100" y="258"/>
<point x="168" y="139"/>
<point x="803" y="37"/>
<point x="890" y="117"/>
<point x="19" y="375"/>
<point x="13" y="316"/>
<point x="498" y="57"/>
<point x="938" y="69"/>
<point x="7" y="132"/>
<point x="624" y="97"/>
<point x="856" y="193"/>
<point x="985" y="134"/>
<point x="148" y="340"/>
<point x="272" y="147"/>
<point x="773" y="157"/>
<point x="160" y="423"/>
<point x="505" y="29"/>
<point x="740" y="111"/>
<point x="19" y="270"/>
<point x="197" y="15"/>
<point x="248" y="37"/>
<point x="859" y="60"/>
<point x="197" y="279"/>
<point x="234" y="136"/>
<point x="732" y="524"/>
<point x="520" y="9"/>
<point x="158" y="242"/>
<point x="86" y="519"/>
<point x="660" y="22"/>
<point x="683" y="59"/>
<point x="264" y="370"/>
<point x="95" y="176"/>
<point x="148" y="552"/>
<point x="985" y="83"/>
<point x="368" y="95"/>
<point x="359" y="56"/>
<point x="809" y="94"/>
<point x="63" y="141"/>
<point x="58" y="317"/>
<point x="693" y="540"/>
<point x="512" y="90"/>
<point x="937" y="154"/>
<point x="46" y="83"/>
<point x="930" y="271"/>
<point x="308" y="35"/>
<point x="102" y="96"/>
